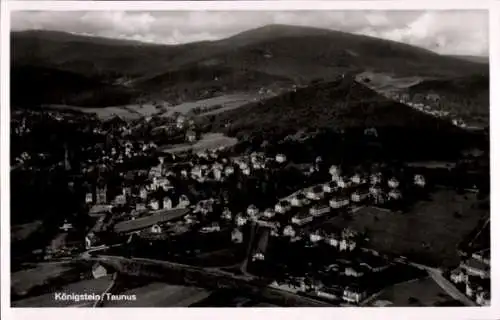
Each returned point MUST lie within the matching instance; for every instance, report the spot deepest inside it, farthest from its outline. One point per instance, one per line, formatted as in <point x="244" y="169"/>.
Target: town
<point x="273" y="165"/>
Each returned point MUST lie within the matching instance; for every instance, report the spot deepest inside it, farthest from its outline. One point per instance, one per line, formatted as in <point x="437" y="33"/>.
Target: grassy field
<point x="161" y="295"/>
<point x="429" y="233"/>
<point x="96" y="286"/>
<point x="416" y="293"/>
<point x="23" y="231"/>
<point x="25" y="280"/>
<point x="207" y="142"/>
<point x="228" y="102"/>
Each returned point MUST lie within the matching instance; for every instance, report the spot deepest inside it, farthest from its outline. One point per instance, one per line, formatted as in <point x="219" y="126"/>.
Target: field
<point x="415" y="293"/>
<point x="23" y="231"/>
<point x="96" y="286"/>
<point x="161" y="295"/>
<point x="207" y="142"/>
<point x="102" y="113"/>
<point x="385" y="82"/>
<point x="429" y="233"/>
<point x="228" y="102"/>
<point x="25" y="280"/>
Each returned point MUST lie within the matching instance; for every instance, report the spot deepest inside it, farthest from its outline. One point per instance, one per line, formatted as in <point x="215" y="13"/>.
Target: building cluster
<point x="474" y="275"/>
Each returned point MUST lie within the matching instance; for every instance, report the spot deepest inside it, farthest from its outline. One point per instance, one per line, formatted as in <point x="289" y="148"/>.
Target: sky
<point x="445" y="32"/>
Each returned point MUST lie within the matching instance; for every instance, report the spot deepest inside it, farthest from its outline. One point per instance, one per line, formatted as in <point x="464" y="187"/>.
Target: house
<point x="353" y="295"/>
<point x="269" y="213"/>
<point x="332" y="240"/>
<point x="298" y="200"/>
<point x="282" y="207"/>
<point x="240" y="220"/>
<point x="246" y="171"/>
<point x="167" y="203"/>
<point x="66" y="226"/>
<point x="226" y="214"/>
<point x="330" y="187"/>
<point x="339" y="202"/>
<point x="217" y="172"/>
<point x="258" y="256"/>
<point x="289" y="231"/>
<point x="229" y="170"/>
<point x="280" y="158"/>
<point x="143" y="193"/>
<point x="359" y="196"/>
<point x="356" y="179"/>
<point x="252" y="211"/>
<point x="154" y="204"/>
<point x="237" y="236"/>
<point x="98" y="271"/>
<point x="319" y="210"/>
<point x="483" y="298"/>
<point x="190" y="136"/>
<point x="302" y="218"/>
<point x="483" y="256"/>
<point x="457" y="276"/>
<point x="315" y="193"/>
<point x="419" y="180"/>
<point x="120" y="200"/>
<point x="341" y="183"/>
<point x="183" y="202"/>
<point x="334" y="172"/>
<point x="475" y="267"/>
<point x="393" y="183"/>
<point x="352" y="271"/>
<point x="101" y="195"/>
<point x="155" y="228"/>
<point x="315" y="237"/>
<point x="214" y="227"/>
<point x="89" y="198"/>
<point x="394" y="194"/>
<point x="376" y="178"/>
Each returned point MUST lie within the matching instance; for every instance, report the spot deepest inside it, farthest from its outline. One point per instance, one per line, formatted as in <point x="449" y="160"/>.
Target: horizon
<point x="441" y="32"/>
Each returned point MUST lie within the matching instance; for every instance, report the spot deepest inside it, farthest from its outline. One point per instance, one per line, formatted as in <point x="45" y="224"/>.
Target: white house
<point x="154" y="205"/>
<point x="98" y="271"/>
<point x="258" y="256"/>
<point x="280" y="158"/>
<point x="214" y="227"/>
<point x="339" y="202"/>
<point x="319" y="210"/>
<point x="226" y="214"/>
<point x="334" y="171"/>
<point x="298" y="200"/>
<point x="240" y="220"/>
<point x="376" y="178"/>
<point x="229" y="170"/>
<point x="88" y="198"/>
<point x="315" y="193"/>
<point x="329" y="187"/>
<point x="282" y="207"/>
<point x="301" y="218"/>
<point x="358" y="196"/>
<point x="167" y="203"/>
<point x="353" y="295"/>
<point x="156" y="229"/>
<point x="419" y="180"/>
<point x="246" y="171"/>
<point x="353" y="272"/>
<point x="315" y="237"/>
<point x="183" y="202"/>
<point x="457" y="276"/>
<point x="341" y="183"/>
<point x="237" y="236"/>
<point x="356" y="179"/>
<point x="269" y="213"/>
<point x="252" y="211"/>
<point x="289" y="231"/>
<point x="394" y="195"/>
<point x="483" y="298"/>
<point x="393" y="183"/>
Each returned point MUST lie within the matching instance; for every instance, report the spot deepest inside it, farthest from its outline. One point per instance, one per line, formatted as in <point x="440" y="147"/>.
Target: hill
<point x="32" y="85"/>
<point x="270" y="55"/>
<point x="478" y="59"/>
<point x="349" y="107"/>
<point x="467" y="97"/>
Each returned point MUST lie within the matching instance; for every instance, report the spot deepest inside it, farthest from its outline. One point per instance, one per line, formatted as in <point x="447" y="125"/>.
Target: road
<point x="99" y="303"/>
<point x="446" y="285"/>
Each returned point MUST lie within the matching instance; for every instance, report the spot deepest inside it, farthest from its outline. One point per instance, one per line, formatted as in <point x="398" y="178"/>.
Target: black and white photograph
<point x="302" y="158"/>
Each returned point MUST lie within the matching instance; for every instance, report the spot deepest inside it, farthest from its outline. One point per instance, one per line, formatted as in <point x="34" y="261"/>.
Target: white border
<point x="468" y="313"/>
